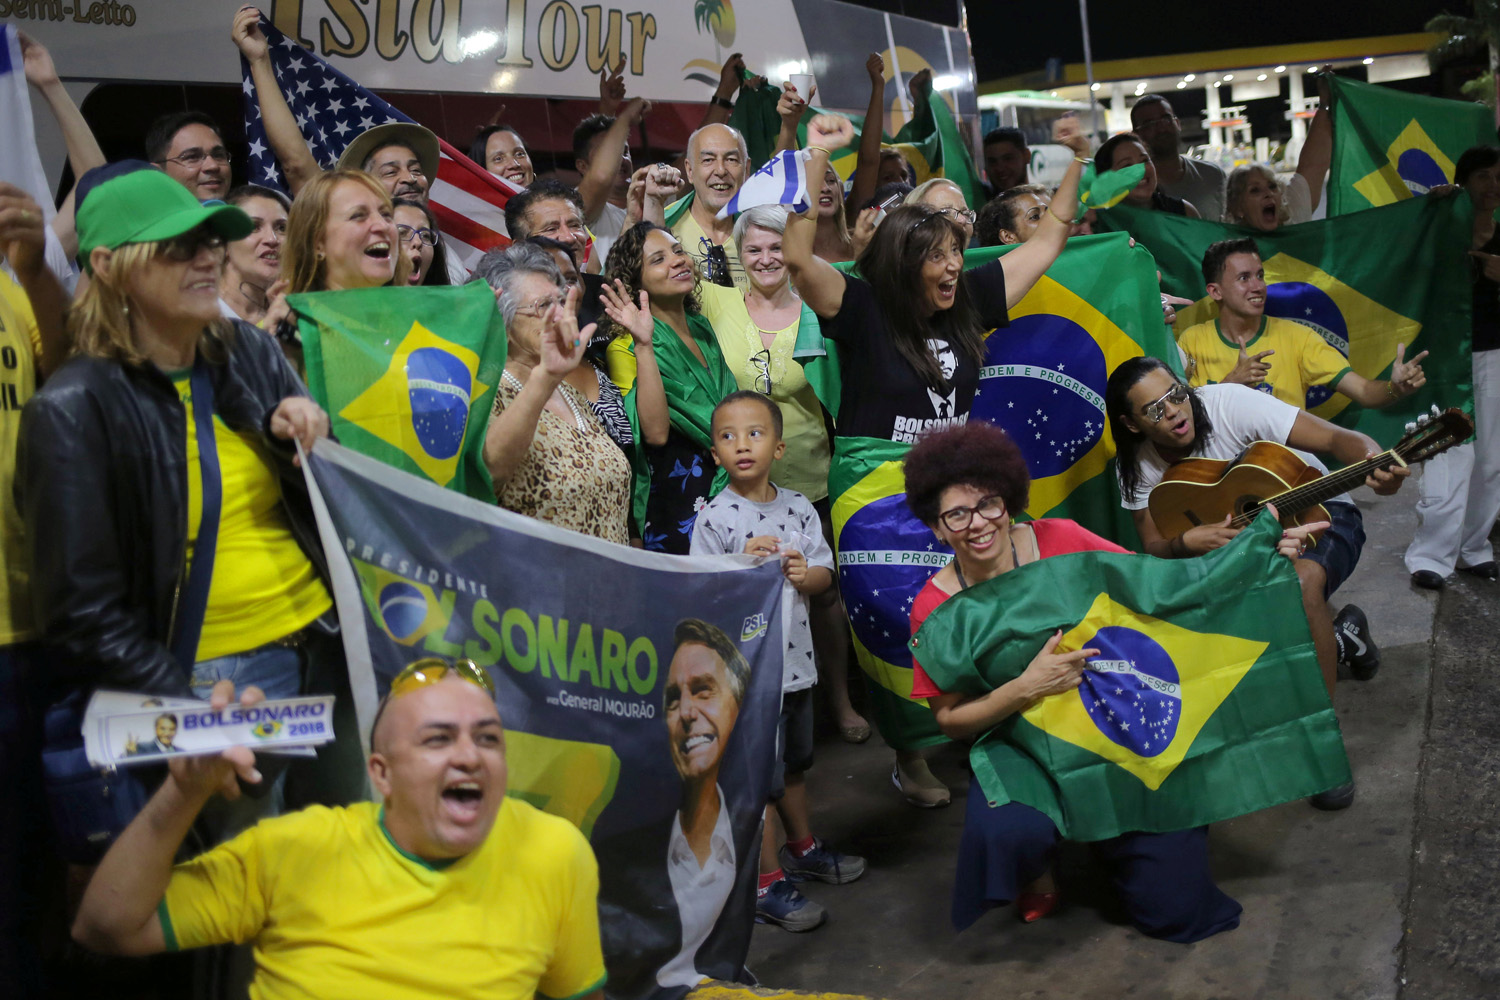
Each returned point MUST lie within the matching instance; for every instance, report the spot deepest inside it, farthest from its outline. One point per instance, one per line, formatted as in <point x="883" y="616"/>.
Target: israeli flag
<point x="782" y="181"/>
<point x="20" y="163"/>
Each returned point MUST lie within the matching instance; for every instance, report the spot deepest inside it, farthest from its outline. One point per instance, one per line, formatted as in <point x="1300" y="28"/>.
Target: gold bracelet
<point x="828" y="152"/>
<point x="1058" y="217"/>
<point x="1390" y="388"/>
<point x="1082" y="159"/>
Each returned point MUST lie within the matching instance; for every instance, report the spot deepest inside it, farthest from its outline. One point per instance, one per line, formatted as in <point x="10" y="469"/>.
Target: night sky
<point x="1011" y="37"/>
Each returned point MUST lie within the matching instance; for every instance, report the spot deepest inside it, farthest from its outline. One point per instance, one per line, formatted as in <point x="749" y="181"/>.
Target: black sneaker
<point x="1341" y="797"/>
<point x="1358" y="649"/>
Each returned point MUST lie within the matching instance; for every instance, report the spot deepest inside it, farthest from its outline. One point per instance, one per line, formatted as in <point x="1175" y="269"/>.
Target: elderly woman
<point x="756" y="333"/>
<point x="948" y="198"/>
<point x="966" y="484"/>
<point x="252" y="265"/>
<point x="172" y="539"/>
<point x="547" y="452"/>
<point x="1254" y="197"/>
<point x="418" y="236"/>
<point x="911" y="329"/>
<point x="649" y="262"/>
<point x="1126" y="150"/>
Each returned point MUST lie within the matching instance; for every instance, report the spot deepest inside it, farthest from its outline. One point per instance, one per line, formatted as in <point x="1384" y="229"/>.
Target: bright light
<point x="1261" y="77"/>
<point x="1218" y="83"/>
<point x="1281" y="69"/>
<point x="477" y="44"/>
<point x="947" y="81"/>
<point x="1228" y="77"/>
<point x="1189" y="78"/>
<point x="1368" y="60"/>
<point x="786" y="69"/>
<point x="1181" y="85"/>
<point x="1094" y="87"/>
<point x="1054" y="93"/>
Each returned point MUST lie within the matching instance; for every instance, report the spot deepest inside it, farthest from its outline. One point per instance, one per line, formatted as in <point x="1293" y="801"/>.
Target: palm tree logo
<point x="716" y="16"/>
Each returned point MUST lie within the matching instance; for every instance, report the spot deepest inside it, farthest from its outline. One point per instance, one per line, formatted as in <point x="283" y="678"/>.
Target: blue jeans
<point x="276" y="670"/>
<point x="23" y="820"/>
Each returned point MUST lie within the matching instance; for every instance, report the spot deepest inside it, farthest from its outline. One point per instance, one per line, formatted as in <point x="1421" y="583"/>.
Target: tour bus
<point x="457" y="65"/>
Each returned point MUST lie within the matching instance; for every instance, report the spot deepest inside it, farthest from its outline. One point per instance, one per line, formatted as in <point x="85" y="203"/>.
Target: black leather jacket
<point x="101" y="483"/>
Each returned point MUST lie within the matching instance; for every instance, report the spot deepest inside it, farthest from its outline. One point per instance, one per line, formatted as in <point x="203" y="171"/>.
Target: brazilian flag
<point x="1363" y="282"/>
<point x="1205" y="701"/>
<point x="408" y="375"/>
<point x="930" y="142"/>
<point x="1043" y="381"/>
<point x="1389" y="145"/>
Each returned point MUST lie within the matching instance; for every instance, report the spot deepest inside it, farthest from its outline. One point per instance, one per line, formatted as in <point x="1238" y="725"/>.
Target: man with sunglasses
<point x="379" y="898"/>
<point x="1157" y="420"/>
<point x="190" y="148"/>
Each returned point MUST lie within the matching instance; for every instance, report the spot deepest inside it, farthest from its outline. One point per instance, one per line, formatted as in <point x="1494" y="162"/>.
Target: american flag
<point x="332" y="110"/>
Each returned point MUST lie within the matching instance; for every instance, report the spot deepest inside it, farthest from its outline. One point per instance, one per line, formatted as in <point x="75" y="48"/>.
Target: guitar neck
<point x="1322" y="489"/>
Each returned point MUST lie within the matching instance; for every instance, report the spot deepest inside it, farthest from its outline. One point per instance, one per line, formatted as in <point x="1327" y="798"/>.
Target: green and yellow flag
<point x="1363" y="282"/>
<point x="1389" y="145"/>
<point x="1043" y="381"/>
<point x="1204" y="703"/>
<point x="408" y="375"/>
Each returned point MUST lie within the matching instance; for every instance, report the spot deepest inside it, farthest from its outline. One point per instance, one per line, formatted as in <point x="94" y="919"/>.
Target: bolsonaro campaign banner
<point x="639" y="691"/>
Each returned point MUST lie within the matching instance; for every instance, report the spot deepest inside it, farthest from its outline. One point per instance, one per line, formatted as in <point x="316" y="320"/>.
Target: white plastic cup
<point x="804" y="84"/>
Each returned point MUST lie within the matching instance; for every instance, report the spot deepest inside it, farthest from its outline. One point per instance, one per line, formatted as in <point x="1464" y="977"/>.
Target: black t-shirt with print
<point x="883" y="396"/>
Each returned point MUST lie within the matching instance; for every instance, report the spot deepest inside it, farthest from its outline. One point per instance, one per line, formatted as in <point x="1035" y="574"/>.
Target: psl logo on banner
<point x="421" y="404"/>
<point x="1361" y="329"/>
<point x="1151" y="689"/>
<point x="1414" y="165"/>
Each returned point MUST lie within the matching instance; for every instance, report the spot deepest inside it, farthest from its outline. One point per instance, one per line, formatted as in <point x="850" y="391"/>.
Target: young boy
<point x="757" y="517"/>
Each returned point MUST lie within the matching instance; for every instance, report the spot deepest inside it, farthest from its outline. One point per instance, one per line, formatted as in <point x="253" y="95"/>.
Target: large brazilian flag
<point x="1363" y="282"/>
<point x="408" y="375"/>
<point x="1205" y="701"/>
<point x="1389" y="145"/>
<point x="1043" y="381"/>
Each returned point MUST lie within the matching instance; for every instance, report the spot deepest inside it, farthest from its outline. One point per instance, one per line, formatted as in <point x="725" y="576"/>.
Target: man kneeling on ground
<point x="376" y="899"/>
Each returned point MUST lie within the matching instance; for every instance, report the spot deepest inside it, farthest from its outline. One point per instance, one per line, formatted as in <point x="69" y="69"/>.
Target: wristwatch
<point x="718" y="101"/>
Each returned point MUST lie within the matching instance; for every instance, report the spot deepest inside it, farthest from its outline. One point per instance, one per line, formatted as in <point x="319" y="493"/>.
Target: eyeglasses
<point x="1157" y="408"/>
<point x="193" y="158"/>
<point x="431" y="669"/>
<point x="962" y="214"/>
<point x="542" y="306"/>
<point x="185" y="247"/>
<point x="990" y="508"/>
<point x="715" y="261"/>
<point x="762" y="362"/>
<point x="405" y="234"/>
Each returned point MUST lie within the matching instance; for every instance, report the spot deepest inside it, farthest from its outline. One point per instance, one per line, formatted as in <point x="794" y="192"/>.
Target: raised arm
<point x="1029" y="261"/>
<point x="118" y="915"/>
<point x="963" y="717"/>
<point x="650" y="394"/>
<point x="297" y="162"/>
<point x="867" y="164"/>
<point x="1317" y="151"/>
<point x="820" y="284"/>
<point x="604" y="166"/>
<point x="731" y="75"/>
<point x="23" y="244"/>
<point x="512" y="431"/>
<point x="790" y="108"/>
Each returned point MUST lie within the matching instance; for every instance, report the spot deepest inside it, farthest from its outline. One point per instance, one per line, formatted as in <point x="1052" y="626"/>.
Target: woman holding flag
<point x="911" y="328"/>
<point x="965" y="483"/>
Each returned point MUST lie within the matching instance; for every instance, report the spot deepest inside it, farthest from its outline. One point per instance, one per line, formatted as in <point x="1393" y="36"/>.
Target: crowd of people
<point x="161" y="538"/>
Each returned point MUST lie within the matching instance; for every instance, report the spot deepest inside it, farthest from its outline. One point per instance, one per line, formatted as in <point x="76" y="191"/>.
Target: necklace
<point x="518" y="385"/>
<point x="1015" y="563"/>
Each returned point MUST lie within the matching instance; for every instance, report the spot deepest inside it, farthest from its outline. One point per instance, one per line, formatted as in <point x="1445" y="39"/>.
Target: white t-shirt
<point x="1298" y="200"/>
<point x="700" y="892"/>
<point x="606" y="230"/>
<point x="1240" y="416"/>
<point x="729" y="520"/>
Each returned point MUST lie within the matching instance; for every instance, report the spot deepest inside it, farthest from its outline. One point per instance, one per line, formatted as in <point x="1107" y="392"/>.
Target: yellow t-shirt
<point x="20" y="341"/>
<point x="263" y="586"/>
<point x="335" y="909"/>
<point x="1302" y="359"/>
<point x="691" y="235"/>
<point x="804" y="467"/>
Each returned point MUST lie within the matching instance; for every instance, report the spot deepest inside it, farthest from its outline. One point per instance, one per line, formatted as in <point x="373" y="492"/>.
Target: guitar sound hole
<point x="1246" y="506"/>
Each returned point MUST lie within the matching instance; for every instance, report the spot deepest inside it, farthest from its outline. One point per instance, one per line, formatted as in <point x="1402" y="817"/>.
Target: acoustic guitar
<point x="1202" y="490"/>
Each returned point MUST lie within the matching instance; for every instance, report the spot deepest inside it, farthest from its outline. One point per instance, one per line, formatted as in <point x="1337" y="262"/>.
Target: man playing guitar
<point x="1157" y="419"/>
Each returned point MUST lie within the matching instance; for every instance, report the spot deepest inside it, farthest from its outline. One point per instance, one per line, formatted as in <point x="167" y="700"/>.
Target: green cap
<point x="145" y="206"/>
